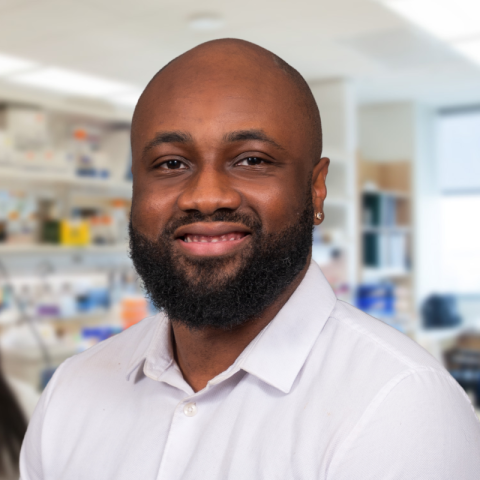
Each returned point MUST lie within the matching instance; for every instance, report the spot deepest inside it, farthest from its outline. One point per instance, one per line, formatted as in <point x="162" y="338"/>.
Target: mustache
<point x="250" y="221"/>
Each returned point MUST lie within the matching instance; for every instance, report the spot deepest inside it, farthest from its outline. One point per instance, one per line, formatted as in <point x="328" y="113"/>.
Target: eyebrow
<point x="254" y="134"/>
<point x="183" y="137"/>
<point x="167" y="137"/>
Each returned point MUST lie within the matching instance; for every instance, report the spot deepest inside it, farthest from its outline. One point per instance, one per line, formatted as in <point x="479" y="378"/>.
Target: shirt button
<point x="190" y="409"/>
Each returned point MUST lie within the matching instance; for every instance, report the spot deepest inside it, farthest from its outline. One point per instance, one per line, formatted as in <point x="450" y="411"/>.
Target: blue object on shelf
<point x="100" y="333"/>
<point x="376" y="299"/>
<point x="93" y="299"/>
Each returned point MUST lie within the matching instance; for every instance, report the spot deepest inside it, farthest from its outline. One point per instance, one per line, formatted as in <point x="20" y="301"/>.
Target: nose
<point x="209" y="191"/>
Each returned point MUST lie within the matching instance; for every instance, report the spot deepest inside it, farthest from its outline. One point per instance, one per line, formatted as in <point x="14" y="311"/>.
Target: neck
<point x="204" y="354"/>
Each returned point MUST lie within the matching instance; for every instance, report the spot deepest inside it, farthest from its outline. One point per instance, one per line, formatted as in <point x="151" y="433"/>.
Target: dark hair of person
<point x="13" y="426"/>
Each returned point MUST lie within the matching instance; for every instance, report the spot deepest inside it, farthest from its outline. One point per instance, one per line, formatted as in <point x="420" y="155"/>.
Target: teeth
<point x="211" y="239"/>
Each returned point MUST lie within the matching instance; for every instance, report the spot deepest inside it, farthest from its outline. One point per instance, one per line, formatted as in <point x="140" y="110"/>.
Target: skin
<point x="195" y="126"/>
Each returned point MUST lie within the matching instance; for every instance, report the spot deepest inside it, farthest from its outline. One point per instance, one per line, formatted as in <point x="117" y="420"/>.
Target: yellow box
<point x="74" y="233"/>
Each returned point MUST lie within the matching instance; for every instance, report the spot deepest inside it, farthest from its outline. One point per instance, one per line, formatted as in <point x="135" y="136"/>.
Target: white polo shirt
<point x="323" y="392"/>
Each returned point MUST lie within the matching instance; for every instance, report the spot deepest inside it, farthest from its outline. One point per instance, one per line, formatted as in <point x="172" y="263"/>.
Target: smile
<point x="229" y="237"/>
<point x="211" y="238"/>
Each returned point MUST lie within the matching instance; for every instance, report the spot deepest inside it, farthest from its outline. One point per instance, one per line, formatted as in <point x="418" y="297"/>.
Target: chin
<point x="211" y="269"/>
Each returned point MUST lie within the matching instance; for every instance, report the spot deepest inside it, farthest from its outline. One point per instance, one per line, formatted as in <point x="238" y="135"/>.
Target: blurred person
<point x="17" y="402"/>
<point x="253" y="369"/>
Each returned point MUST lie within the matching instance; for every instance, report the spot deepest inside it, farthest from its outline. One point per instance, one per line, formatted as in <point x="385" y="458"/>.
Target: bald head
<point x="230" y="62"/>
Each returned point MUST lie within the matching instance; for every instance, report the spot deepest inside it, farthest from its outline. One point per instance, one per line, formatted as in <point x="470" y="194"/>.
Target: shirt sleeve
<point x="31" y="467"/>
<point x="422" y="428"/>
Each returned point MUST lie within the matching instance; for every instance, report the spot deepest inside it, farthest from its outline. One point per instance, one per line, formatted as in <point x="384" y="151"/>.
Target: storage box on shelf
<point x="385" y="240"/>
<point x="64" y="180"/>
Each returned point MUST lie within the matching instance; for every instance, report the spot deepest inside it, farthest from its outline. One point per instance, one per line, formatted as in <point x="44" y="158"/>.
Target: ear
<point x="319" y="187"/>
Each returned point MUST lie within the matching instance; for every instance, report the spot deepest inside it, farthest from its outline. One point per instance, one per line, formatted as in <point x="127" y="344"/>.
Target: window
<point x="458" y="150"/>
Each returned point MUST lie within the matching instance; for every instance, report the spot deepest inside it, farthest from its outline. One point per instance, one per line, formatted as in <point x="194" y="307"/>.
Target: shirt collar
<point x="277" y="354"/>
<point x="158" y="352"/>
<point x="284" y="345"/>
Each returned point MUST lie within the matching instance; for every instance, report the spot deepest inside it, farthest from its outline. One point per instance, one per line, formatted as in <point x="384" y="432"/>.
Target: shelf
<point x="447" y="333"/>
<point x="103" y="317"/>
<point x="44" y="249"/>
<point x="392" y="229"/>
<point x="391" y="193"/>
<point x="375" y="274"/>
<point x="45" y="177"/>
<point x="32" y="353"/>
<point x="440" y="334"/>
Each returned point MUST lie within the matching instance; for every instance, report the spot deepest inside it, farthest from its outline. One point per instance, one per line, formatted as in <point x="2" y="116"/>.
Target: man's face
<point x="219" y="164"/>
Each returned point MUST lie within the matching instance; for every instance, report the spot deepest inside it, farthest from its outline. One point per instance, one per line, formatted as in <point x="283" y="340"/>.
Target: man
<point x="253" y="370"/>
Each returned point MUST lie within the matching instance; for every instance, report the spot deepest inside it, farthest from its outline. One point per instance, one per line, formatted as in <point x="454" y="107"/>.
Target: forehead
<point x="209" y="99"/>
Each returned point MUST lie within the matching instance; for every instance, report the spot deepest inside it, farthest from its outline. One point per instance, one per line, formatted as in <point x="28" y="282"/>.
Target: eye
<point x="172" y="165"/>
<point x="251" y="161"/>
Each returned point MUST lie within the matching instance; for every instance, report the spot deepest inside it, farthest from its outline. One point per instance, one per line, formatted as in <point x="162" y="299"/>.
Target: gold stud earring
<point x="319" y="215"/>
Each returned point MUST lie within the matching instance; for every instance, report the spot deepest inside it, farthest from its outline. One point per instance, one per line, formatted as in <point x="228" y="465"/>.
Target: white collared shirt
<point x="323" y="392"/>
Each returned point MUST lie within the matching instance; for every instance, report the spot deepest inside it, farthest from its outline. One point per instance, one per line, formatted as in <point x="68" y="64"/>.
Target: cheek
<point x="277" y="205"/>
<point x="151" y="210"/>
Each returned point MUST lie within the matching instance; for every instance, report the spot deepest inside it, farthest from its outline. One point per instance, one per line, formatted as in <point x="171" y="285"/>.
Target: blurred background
<point x="398" y="85"/>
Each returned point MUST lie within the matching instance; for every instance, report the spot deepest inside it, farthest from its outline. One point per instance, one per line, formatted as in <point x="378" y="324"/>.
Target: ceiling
<point x="129" y="40"/>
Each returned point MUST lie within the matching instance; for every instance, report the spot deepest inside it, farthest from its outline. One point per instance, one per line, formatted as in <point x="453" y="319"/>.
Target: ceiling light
<point x="446" y="19"/>
<point x="206" y="22"/>
<point x="70" y="82"/>
<point x="10" y="64"/>
<point x="127" y="99"/>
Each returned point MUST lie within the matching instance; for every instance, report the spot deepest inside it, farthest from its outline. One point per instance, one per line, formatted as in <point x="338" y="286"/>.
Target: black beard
<point x="206" y="296"/>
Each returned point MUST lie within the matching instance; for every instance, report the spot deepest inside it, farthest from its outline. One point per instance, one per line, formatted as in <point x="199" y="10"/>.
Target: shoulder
<point x="398" y="387"/>
<point x="112" y="356"/>
<point x="362" y="358"/>
<point x="386" y="352"/>
<point x="381" y="340"/>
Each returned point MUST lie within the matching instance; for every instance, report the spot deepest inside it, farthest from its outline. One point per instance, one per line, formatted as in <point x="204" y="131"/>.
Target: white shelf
<point x="391" y="193"/>
<point x="375" y="274"/>
<point x="391" y="229"/>
<point x="44" y="249"/>
<point x="45" y="177"/>
<point x="102" y="316"/>
<point x="446" y="333"/>
<point x="441" y="334"/>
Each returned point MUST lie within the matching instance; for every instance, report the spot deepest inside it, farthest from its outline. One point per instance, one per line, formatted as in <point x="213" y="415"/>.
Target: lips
<point x="228" y="237"/>
<point x="211" y="238"/>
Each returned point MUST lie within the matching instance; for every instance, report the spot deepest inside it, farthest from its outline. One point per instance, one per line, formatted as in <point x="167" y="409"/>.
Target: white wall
<point x="386" y="132"/>
<point x="336" y="101"/>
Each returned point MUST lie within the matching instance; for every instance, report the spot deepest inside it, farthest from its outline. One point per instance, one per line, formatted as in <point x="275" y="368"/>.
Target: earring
<point x="319" y="215"/>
